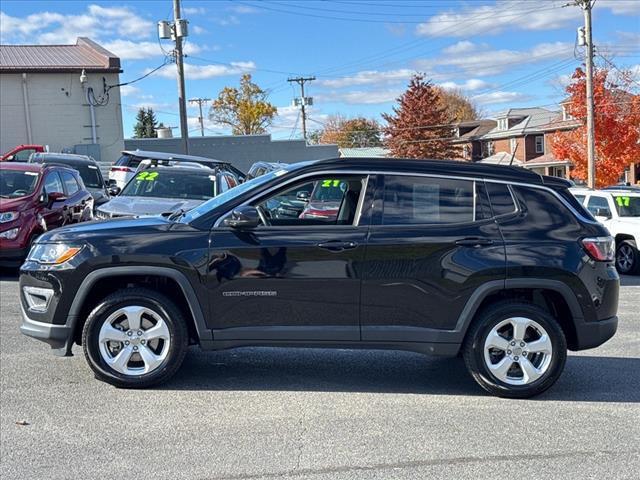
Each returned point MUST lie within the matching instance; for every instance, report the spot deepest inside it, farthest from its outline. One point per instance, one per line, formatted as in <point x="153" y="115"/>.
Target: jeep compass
<point x="499" y="265"/>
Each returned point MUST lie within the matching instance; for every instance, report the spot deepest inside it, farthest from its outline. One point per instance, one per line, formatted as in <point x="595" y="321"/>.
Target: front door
<point x="432" y="243"/>
<point x="53" y="214"/>
<point x="296" y="277"/>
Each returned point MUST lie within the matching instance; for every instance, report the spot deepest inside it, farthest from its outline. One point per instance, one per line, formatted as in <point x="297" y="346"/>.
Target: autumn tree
<point x="419" y="126"/>
<point x="350" y="132"/>
<point x="459" y="108"/>
<point x="146" y="124"/>
<point x="617" y="116"/>
<point x="245" y="110"/>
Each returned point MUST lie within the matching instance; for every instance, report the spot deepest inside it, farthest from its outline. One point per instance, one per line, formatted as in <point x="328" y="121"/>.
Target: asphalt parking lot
<point x="260" y="413"/>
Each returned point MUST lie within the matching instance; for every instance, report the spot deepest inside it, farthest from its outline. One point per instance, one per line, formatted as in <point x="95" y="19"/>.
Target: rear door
<point x="432" y="243"/>
<point x="76" y="197"/>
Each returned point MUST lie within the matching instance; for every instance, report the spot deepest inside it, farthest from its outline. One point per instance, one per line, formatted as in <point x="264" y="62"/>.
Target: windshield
<point x="627" y="205"/>
<point x="90" y="174"/>
<point x="236" y="191"/>
<point x="329" y="191"/>
<point x="171" y="183"/>
<point x="17" y="183"/>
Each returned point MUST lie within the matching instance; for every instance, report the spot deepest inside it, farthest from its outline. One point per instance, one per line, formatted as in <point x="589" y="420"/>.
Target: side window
<point x="501" y="199"/>
<point x="580" y="198"/>
<point x="70" y="183"/>
<point x="23" y="155"/>
<point x="424" y="200"/>
<point x="322" y="201"/>
<point x="52" y="183"/>
<point x="598" y="206"/>
<point x="231" y="180"/>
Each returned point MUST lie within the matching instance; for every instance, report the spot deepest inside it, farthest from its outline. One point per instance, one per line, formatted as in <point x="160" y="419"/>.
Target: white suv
<point x="619" y="211"/>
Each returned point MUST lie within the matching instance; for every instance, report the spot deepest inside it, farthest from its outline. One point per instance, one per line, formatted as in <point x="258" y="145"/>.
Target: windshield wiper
<point x="177" y="214"/>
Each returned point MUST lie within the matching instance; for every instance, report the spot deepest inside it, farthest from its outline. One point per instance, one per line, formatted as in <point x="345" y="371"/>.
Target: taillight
<point x="121" y="169"/>
<point x="601" y="249"/>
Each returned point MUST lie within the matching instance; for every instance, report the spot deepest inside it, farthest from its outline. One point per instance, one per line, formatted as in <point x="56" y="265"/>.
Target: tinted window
<point x="128" y="161"/>
<point x="501" y="199"/>
<point x="16" y="183"/>
<point x="424" y="200"/>
<point x="323" y="201"/>
<point x="627" y="205"/>
<point x="52" y="183"/>
<point x="172" y="183"/>
<point x="70" y="183"/>
<point x="598" y="203"/>
<point x="23" y="155"/>
<point x="580" y="198"/>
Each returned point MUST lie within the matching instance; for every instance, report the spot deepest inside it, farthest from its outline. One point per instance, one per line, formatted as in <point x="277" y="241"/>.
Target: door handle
<point x="474" y="242"/>
<point x="337" y="245"/>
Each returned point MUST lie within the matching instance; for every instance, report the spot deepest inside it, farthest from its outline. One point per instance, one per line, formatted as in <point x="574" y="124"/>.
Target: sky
<point x="502" y="54"/>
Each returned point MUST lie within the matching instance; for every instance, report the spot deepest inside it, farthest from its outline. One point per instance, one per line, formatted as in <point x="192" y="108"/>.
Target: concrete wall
<point x="59" y="112"/>
<point x="241" y="151"/>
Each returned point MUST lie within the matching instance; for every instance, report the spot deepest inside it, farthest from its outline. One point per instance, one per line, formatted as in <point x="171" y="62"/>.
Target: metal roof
<point x="85" y="54"/>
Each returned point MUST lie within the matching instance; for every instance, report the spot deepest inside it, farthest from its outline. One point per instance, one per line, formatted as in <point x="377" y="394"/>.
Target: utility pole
<point x="177" y="22"/>
<point x="586" y="6"/>
<point x="302" y="101"/>
<point x="200" y="101"/>
<point x="176" y="31"/>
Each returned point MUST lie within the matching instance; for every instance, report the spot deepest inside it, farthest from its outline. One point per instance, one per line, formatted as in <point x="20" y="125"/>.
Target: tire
<point x="544" y="365"/>
<point x="154" y="350"/>
<point x="627" y="258"/>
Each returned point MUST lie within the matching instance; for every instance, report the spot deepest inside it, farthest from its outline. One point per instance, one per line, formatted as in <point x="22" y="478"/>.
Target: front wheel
<point x="515" y="350"/>
<point x="135" y="338"/>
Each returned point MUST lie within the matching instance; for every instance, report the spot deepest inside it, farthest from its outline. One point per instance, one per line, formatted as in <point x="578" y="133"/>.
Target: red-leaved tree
<point x="617" y="126"/>
<point x="418" y="127"/>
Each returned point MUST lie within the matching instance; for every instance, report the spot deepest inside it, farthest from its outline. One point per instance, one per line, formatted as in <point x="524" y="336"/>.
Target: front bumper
<point x="57" y="336"/>
<point x="594" y="334"/>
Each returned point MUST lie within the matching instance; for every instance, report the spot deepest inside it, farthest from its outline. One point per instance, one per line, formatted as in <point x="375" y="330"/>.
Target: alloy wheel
<point x="518" y="351"/>
<point x="134" y="340"/>
<point x="625" y="258"/>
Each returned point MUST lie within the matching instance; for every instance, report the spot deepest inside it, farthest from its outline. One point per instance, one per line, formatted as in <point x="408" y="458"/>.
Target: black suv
<point x="498" y="264"/>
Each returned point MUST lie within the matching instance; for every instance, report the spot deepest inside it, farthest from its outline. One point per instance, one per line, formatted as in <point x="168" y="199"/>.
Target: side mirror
<point x="303" y="195"/>
<point x="603" y="212"/>
<point x="114" y="190"/>
<point x="55" y="197"/>
<point x="10" y="158"/>
<point x="244" y="217"/>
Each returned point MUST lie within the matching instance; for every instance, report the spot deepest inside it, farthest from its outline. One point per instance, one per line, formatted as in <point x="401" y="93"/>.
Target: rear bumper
<point x="594" y="334"/>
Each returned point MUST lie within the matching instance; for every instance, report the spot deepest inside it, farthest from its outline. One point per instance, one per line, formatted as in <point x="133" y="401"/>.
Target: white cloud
<point x="198" y="30"/>
<point x="128" y="90"/>
<point x="470" y="85"/>
<point x="620" y="7"/>
<point x="129" y="50"/>
<point x="243" y="9"/>
<point x="200" y="72"/>
<point x="51" y="27"/>
<point x="480" y="61"/>
<point x="369" y="77"/>
<point x="500" y="97"/>
<point x="194" y="10"/>
<point x="360" y="97"/>
<point x="462" y="46"/>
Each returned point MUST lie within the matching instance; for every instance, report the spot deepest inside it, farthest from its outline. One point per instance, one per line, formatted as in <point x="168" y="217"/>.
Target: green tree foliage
<point x="245" y="110"/>
<point x="419" y="126"/>
<point x="146" y="124"/>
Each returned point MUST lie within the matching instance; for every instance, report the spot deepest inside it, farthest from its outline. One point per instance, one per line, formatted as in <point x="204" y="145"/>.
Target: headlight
<point x="8" y="216"/>
<point x="10" y="234"/>
<point x="53" y="253"/>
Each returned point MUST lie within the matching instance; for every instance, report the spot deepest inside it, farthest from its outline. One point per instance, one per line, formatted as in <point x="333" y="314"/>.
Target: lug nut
<point x="522" y="344"/>
<point x="513" y="344"/>
<point x="140" y="333"/>
<point x="142" y="342"/>
<point x="515" y="358"/>
<point x="126" y="342"/>
<point x="524" y="354"/>
<point x="135" y="349"/>
<point x="508" y="352"/>
<point x="129" y="333"/>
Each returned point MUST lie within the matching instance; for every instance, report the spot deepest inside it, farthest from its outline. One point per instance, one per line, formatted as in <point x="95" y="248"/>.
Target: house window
<point x="465" y="152"/>
<point x="540" y="144"/>
<point x="489" y="148"/>
<point x="513" y="143"/>
<point x="503" y="123"/>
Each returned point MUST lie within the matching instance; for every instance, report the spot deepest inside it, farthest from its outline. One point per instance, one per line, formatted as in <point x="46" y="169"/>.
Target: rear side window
<point x="501" y="200"/>
<point x="128" y="161"/>
<point x="425" y="200"/>
<point x="70" y="183"/>
<point x="577" y="202"/>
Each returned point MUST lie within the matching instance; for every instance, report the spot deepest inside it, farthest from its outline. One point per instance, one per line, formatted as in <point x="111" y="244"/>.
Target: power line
<point x="303" y="101"/>
<point x="200" y="101"/>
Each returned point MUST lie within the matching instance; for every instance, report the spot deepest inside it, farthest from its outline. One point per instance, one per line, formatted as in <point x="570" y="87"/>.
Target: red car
<point x="21" y="153"/>
<point x="35" y="198"/>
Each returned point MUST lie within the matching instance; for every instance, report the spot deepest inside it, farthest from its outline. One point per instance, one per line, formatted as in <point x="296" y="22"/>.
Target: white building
<point x="46" y="99"/>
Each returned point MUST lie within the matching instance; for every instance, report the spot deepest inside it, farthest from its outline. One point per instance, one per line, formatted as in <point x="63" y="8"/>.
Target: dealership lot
<point x="260" y="413"/>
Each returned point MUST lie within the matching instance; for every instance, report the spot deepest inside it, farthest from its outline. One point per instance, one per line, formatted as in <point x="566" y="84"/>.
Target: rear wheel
<point x="515" y="350"/>
<point x="135" y="338"/>
<point x="627" y="257"/>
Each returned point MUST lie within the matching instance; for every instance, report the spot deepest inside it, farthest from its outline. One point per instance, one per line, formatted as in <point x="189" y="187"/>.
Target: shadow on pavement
<point x="8" y="274"/>
<point x="585" y="379"/>
<point x="629" y="280"/>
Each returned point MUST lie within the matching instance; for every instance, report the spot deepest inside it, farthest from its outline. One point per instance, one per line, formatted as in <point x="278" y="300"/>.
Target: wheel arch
<point x="556" y="297"/>
<point x="78" y="309"/>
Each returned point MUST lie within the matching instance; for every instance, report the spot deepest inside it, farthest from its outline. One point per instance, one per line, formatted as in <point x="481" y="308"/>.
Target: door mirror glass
<point x="303" y="195"/>
<point x="114" y="190"/>
<point x="55" y="197"/>
<point x="244" y="217"/>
